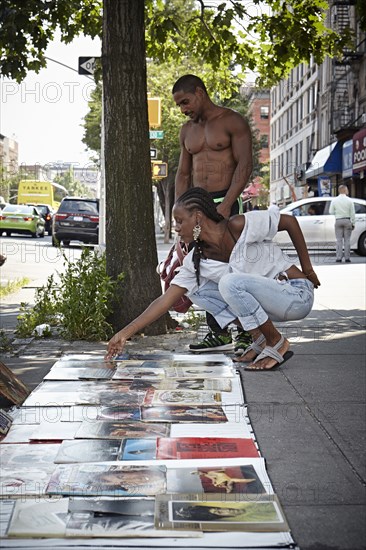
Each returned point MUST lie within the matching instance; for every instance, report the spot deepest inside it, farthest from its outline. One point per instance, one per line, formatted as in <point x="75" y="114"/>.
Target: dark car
<point x="47" y="213"/>
<point x="77" y="219"/>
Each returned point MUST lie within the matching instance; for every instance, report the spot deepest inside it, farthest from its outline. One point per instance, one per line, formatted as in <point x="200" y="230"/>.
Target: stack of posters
<point x="148" y="447"/>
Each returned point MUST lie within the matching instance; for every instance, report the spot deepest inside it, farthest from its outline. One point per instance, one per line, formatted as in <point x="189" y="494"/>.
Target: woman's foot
<point x="271" y="357"/>
<point x="253" y="350"/>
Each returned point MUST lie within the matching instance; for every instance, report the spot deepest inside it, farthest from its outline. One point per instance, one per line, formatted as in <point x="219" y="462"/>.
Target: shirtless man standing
<point x="216" y="154"/>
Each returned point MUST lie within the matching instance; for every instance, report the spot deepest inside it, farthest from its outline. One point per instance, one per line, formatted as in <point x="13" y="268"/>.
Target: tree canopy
<point x="269" y="37"/>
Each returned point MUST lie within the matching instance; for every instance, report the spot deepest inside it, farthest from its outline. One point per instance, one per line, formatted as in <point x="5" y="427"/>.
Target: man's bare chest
<point x="206" y="138"/>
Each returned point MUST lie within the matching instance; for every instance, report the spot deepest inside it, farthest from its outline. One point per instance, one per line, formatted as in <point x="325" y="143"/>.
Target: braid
<point x="197" y="198"/>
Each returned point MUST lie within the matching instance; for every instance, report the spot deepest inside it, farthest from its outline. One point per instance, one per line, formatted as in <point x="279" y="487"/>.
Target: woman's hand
<point x="313" y="278"/>
<point x="116" y="345"/>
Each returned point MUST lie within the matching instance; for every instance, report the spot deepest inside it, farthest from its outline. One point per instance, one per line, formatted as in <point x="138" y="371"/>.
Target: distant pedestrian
<point x="344" y="211"/>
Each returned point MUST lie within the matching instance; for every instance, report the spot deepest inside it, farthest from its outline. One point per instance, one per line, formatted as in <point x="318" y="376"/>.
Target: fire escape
<point x="343" y="105"/>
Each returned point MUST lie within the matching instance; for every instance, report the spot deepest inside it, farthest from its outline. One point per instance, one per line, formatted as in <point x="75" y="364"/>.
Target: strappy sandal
<point x="273" y="353"/>
<point x="255" y="346"/>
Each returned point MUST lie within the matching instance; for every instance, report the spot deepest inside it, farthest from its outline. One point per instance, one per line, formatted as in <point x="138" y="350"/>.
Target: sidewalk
<point x="308" y="416"/>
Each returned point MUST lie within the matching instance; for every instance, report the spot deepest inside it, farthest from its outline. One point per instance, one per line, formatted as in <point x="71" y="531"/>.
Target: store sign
<point x="359" y="151"/>
<point x="347" y="159"/>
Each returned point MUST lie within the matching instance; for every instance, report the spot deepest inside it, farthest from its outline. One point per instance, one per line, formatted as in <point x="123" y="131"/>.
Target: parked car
<point x="23" y="219"/>
<point x="77" y="219"/>
<point x="47" y="214"/>
<point x="318" y="225"/>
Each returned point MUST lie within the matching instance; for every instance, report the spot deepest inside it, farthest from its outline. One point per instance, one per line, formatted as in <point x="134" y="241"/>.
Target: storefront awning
<point x="326" y="161"/>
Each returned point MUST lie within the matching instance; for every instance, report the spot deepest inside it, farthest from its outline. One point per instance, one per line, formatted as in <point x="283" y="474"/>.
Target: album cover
<point x="39" y="518"/>
<point x="57" y="431"/>
<point x="87" y="524"/>
<point x="18" y="433"/>
<point x="99" y="479"/>
<point x="138" y="449"/>
<point x="205" y="447"/>
<point x="70" y="373"/>
<point x="116" y="430"/>
<point x="258" y="513"/>
<point x="84" y="360"/>
<point x="214" y="384"/>
<point x="195" y="371"/>
<point x="143" y="373"/>
<point x="215" y="479"/>
<point x="62" y="399"/>
<point x="181" y="397"/>
<point x="28" y="455"/>
<point x="18" y="482"/>
<point x="81" y="386"/>
<point x="185" y="413"/>
<point x="118" y="413"/>
<point x="89" y="450"/>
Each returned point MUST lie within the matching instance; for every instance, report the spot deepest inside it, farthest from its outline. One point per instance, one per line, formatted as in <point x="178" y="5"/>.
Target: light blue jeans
<point x="254" y="299"/>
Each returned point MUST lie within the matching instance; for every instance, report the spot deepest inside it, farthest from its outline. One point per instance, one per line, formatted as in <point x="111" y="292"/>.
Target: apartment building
<point x="8" y="155"/>
<point x="318" y="121"/>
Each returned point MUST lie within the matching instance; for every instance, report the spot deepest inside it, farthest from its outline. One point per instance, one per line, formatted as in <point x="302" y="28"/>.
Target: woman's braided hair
<point x="197" y="198"/>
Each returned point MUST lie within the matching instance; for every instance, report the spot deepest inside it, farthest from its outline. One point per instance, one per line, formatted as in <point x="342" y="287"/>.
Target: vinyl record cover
<point x="87" y="524"/>
<point x="105" y="479"/>
<point x="258" y="513"/>
<point x="195" y="371"/>
<point x="19" y="482"/>
<point x="115" y="430"/>
<point x="116" y="413"/>
<point x="87" y="361"/>
<point x="215" y="478"/>
<point x="205" y="447"/>
<point x="68" y="398"/>
<point x="181" y="397"/>
<point x="128" y="373"/>
<point x="81" y="386"/>
<point x="181" y="383"/>
<point x="57" y="431"/>
<point x="70" y="373"/>
<point x="184" y="413"/>
<point x="88" y="450"/>
<point x="27" y="455"/>
<point x="138" y="449"/>
<point x="39" y="518"/>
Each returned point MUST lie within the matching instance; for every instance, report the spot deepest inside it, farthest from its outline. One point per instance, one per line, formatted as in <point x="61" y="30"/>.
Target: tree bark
<point x="130" y="231"/>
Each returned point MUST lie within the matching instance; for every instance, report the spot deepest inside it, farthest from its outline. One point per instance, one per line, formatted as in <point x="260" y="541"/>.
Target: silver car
<point x="318" y="225"/>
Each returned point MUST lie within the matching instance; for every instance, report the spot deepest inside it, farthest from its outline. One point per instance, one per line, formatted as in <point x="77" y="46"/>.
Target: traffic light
<point x="159" y="169"/>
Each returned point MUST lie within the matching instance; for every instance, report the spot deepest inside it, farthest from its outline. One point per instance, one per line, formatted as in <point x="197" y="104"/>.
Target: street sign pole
<point x="87" y="66"/>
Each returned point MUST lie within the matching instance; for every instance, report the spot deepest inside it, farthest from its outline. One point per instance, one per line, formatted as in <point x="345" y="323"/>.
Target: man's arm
<point x="183" y="175"/>
<point x="352" y="213"/>
<point x="241" y="144"/>
<point x="291" y="225"/>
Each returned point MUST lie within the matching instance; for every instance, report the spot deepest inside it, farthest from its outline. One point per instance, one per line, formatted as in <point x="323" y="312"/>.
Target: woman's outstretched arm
<point x="155" y="310"/>
<point x="291" y="225"/>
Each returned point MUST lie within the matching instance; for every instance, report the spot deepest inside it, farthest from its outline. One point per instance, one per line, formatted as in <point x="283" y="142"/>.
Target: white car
<point x="318" y="225"/>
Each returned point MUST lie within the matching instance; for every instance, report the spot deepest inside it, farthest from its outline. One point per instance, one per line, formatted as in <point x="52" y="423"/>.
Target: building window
<point x="264" y="112"/>
<point x="264" y="141"/>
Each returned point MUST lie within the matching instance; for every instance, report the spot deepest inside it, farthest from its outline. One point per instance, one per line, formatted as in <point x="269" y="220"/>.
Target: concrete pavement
<point x="308" y="416"/>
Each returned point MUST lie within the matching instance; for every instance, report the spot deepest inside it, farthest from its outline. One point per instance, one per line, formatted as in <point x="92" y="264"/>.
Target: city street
<point x="308" y="416"/>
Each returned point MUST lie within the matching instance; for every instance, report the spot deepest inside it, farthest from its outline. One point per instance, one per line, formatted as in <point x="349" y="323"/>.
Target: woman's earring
<point x="196" y="232"/>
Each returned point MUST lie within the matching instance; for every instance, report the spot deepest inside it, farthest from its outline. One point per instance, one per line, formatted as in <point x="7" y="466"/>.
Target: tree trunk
<point x="130" y="231"/>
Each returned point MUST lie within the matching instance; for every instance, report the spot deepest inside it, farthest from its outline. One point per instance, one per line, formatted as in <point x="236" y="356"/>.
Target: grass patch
<point x="12" y="286"/>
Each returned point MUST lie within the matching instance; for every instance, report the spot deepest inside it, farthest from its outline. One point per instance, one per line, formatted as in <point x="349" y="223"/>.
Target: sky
<point x="45" y="112"/>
